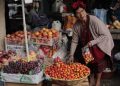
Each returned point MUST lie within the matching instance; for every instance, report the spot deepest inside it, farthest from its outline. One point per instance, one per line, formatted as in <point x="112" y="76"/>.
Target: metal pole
<point x="25" y="30"/>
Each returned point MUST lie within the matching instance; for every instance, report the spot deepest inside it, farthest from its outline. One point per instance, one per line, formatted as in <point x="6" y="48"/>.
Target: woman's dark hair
<point x="37" y="2"/>
<point x="74" y="10"/>
<point x="78" y="4"/>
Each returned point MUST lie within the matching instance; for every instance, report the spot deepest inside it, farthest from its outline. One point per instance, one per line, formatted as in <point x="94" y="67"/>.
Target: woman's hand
<point x="89" y="44"/>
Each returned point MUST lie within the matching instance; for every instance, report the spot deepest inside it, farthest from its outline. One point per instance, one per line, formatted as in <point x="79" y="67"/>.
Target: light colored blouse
<point x="101" y="35"/>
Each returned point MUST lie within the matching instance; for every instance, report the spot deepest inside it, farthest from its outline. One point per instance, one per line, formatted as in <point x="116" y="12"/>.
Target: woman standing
<point x="36" y="18"/>
<point x="92" y="32"/>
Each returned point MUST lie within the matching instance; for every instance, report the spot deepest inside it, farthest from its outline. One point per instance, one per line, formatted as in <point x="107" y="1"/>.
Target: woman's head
<point x="36" y="4"/>
<point x="81" y="14"/>
<point x="80" y="10"/>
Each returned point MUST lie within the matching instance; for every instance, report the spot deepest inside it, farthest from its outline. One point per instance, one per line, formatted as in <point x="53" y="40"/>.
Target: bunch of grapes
<point x="23" y="67"/>
<point x="7" y="69"/>
<point x="11" y="68"/>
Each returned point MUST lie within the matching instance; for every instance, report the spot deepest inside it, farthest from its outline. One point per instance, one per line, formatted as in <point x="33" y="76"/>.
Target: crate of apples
<point x="16" y="38"/>
<point x="67" y="73"/>
<point x="45" y="36"/>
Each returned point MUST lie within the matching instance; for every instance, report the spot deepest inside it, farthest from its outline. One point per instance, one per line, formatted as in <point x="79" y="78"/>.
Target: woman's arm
<point x="75" y="39"/>
<point x="100" y="30"/>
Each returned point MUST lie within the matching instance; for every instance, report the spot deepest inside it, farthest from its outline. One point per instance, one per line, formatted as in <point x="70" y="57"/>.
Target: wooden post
<point x="2" y="24"/>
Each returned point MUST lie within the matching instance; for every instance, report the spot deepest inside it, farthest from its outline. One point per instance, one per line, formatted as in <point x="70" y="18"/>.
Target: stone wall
<point x="2" y="24"/>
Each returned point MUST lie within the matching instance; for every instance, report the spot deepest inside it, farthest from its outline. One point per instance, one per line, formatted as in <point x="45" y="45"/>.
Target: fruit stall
<point x="30" y="57"/>
<point x="44" y="56"/>
<point x="19" y="63"/>
<point x="17" y="67"/>
<point x="19" y="70"/>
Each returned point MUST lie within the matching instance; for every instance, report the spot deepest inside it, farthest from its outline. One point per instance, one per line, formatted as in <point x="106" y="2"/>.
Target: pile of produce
<point x="45" y="33"/>
<point x="45" y="36"/>
<point x="87" y="55"/>
<point x="13" y="64"/>
<point x="22" y="67"/>
<point x="116" y="24"/>
<point x="5" y="57"/>
<point x="16" y="38"/>
<point x="60" y="70"/>
<point x="69" y="21"/>
<point x="48" y="50"/>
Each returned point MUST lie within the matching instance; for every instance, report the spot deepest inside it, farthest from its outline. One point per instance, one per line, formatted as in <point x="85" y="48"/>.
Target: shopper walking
<point x="92" y="32"/>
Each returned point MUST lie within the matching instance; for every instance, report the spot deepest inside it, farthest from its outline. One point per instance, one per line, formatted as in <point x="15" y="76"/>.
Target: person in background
<point x="18" y="14"/>
<point x="36" y="18"/>
<point x="116" y="8"/>
<point x="92" y="32"/>
<point x="114" y="11"/>
<point x="117" y="5"/>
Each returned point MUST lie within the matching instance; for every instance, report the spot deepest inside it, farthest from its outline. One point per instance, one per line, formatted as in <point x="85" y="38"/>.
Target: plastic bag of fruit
<point x="87" y="54"/>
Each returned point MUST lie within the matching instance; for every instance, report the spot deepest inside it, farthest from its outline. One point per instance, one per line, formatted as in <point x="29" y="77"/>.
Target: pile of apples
<point x="5" y="57"/>
<point x="16" y="38"/>
<point x="45" y="36"/>
<point x="42" y="36"/>
<point x="60" y="70"/>
<point x="45" y="33"/>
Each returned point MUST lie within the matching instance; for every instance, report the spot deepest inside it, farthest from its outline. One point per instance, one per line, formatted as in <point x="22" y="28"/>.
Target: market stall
<point x="16" y="68"/>
<point x="29" y="55"/>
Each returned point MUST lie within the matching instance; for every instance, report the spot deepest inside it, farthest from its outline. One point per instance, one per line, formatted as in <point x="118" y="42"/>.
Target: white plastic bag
<point x="56" y="25"/>
<point x="87" y="54"/>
